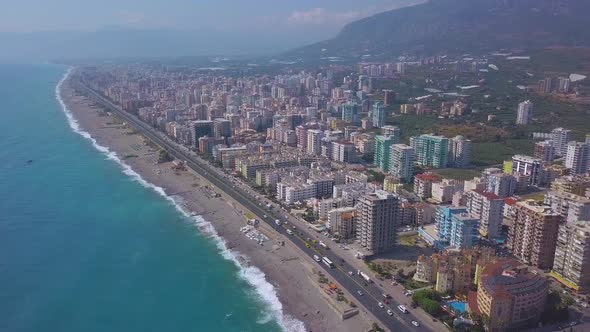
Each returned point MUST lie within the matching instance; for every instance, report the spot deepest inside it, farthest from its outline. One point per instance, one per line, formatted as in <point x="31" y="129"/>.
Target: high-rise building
<point x="351" y="113"/>
<point x="343" y="151"/>
<point x="533" y="233"/>
<point x="524" y="113"/>
<point x="301" y="133"/>
<point x="431" y="150"/>
<point x="488" y="207"/>
<point x="544" y="150"/>
<point x="571" y="207"/>
<point x="577" y="157"/>
<point x="314" y="141"/>
<point x="561" y="137"/>
<point x="571" y="265"/>
<point x="464" y="230"/>
<point x="402" y="162"/>
<point x="383" y="151"/>
<point x="378" y="218"/>
<point x="394" y="131"/>
<point x="378" y="115"/>
<point x="510" y="295"/>
<point x="388" y="97"/>
<point x="501" y="184"/>
<point x="222" y="128"/>
<point x="528" y="166"/>
<point x="201" y="128"/>
<point x="443" y="217"/>
<point x="459" y="152"/>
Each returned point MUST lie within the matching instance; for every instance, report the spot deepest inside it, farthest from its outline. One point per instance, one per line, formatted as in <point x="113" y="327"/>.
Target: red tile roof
<point x="487" y="194"/>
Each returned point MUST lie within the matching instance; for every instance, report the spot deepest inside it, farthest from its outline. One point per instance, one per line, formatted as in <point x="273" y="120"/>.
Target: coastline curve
<point x="265" y="291"/>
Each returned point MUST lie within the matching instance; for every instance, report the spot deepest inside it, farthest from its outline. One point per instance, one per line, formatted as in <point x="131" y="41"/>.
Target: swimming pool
<point x="458" y="305"/>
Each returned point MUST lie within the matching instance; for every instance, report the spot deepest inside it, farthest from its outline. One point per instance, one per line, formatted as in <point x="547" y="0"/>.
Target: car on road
<point x="402" y="309"/>
<point x="389" y="312"/>
<point x="415" y="323"/>
<point x="350" y="273"/>
<point x="316" y="258"/>
<point x="360" y="293"/>
<point x="380" y="305"/>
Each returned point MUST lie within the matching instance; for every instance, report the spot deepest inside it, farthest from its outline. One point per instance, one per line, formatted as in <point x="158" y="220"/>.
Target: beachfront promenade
<point x="353" y="284"/>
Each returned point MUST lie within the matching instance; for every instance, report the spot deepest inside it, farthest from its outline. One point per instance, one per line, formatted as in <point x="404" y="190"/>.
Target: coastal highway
<point x="368" y="294"/>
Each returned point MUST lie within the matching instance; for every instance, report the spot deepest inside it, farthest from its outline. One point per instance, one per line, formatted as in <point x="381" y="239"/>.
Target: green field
<point x="486" y="154"/>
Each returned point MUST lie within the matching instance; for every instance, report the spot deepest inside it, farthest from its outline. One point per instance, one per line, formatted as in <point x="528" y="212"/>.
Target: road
<point x="371" y="292"/>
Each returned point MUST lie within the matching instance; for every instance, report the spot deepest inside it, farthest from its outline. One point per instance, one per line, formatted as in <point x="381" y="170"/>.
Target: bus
<point x="328" y="262"/>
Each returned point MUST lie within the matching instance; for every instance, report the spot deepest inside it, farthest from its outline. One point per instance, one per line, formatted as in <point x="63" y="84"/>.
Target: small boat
<point x="30" y="161"/>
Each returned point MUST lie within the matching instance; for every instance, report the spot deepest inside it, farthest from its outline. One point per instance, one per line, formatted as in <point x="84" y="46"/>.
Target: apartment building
<point x="510" y="295"/>
<point x="488" y="207"/>
<point x="379" y="211"/>
<point x="533" y="234"/>
<point x="571" y="265"/>
<point x="343" y="222"/>
<point x="402" y="162"/>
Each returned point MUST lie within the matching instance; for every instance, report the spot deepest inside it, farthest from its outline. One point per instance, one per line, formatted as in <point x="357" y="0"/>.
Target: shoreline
<point x="282" y="278"/>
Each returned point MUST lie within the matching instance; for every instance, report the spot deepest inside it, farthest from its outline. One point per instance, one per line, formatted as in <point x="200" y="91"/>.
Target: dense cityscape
<point x="319" y="143"/>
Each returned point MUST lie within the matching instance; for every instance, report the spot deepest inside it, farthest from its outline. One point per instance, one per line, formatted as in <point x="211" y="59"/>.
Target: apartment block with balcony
<point x="571" y="265"/>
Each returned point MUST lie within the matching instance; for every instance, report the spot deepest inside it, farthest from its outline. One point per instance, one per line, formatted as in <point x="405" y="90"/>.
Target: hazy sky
<point x="324" y="17"/>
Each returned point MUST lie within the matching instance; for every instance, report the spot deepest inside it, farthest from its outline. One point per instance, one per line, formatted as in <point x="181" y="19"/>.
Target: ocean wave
<point x="251" y="274"/>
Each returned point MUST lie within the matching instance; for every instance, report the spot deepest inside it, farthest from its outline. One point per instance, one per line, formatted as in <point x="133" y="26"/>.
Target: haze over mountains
<point x="128" y="42"/>
<point x="432" y="27"/>
<point x="461" y="26"/>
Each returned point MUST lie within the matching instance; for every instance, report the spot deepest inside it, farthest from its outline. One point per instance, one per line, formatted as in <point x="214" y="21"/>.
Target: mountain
<point x="461" y="26"/>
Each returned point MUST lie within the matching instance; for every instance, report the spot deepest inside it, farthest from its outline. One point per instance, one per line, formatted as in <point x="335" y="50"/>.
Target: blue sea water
<point x="84" y="246"/>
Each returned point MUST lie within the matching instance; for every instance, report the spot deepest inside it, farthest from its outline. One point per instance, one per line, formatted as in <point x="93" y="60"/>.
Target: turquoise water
<point x="85" y="247"/>
<point x="458" y="305"/>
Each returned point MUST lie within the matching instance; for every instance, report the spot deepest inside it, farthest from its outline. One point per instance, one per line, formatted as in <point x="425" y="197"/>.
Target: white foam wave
<point x="251" y="274"/>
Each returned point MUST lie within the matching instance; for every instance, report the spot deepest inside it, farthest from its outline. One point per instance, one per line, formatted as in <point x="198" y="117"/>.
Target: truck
<point x="324" y="245"/>
<point x="364" y="275"/>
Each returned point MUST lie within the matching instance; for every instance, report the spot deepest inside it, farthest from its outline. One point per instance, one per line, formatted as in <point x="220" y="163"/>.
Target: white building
<point x="489" y="208"/>
<point x="314" y="141"/>
<point x="577" y="157"/>
<point x="459" y="152"/>
<point x="524" y="112"/>
<point x="561" y="137"/>
<point x="402" y="162"/>
<point x="344" y="152"/>
<point x="443" y="191"/>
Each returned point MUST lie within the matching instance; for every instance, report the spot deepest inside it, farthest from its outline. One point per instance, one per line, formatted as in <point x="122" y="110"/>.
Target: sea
<point x="87" y="245"/>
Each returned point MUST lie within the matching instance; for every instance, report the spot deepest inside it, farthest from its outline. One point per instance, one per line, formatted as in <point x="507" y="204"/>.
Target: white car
<point x="360" y="293"/>
<point x="389" y="312"/>
<point x="380" y="305"/>
<point x="415" y="323"/>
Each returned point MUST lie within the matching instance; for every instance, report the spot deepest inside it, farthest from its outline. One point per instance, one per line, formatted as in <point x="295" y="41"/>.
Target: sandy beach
<point x="293" y="275"/>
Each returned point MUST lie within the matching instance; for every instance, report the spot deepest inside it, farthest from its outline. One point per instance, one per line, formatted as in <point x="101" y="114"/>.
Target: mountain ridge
<point x="461" y="26"/>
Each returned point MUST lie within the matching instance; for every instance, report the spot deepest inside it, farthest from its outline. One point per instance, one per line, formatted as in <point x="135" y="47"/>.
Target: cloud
<point x="322" y="16"/>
